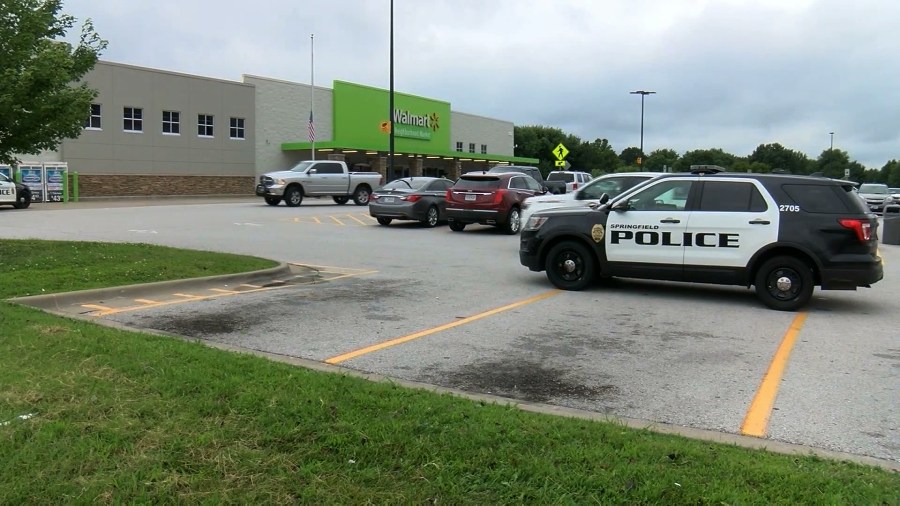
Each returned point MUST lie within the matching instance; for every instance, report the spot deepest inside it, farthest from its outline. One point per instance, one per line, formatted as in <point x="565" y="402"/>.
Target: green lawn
<point x="126" y="417"/>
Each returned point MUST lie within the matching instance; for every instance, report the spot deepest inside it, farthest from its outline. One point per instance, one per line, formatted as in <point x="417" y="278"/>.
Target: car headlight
<point x="535" y="222"/>
<point x="279" y="181"/>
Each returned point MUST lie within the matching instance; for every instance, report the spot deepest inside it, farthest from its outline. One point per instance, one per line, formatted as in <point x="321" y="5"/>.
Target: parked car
<point x="489" y="199"/>
<point x="783" y="234"/>
<point x="411" y="198"/>
<point x="573" y="179"/>
<point x="609" y="184"/>
<point x="317" y="178"/>
<point x="877" y="196"/>
<point x="15" y="194"/>
<point x="557" y="187"/>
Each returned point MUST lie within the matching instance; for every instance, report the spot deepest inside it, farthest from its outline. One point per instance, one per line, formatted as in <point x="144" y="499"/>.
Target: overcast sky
<point x="728" y="74"/>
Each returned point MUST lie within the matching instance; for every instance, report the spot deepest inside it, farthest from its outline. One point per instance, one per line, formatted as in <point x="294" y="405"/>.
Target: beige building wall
<point x="282" y="115"/>
<point x="112" y="150"/>
<point x="496" y="134"/>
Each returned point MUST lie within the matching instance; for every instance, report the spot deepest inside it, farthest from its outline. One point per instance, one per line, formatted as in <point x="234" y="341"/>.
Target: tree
<point x="629" y="155"/>
<point x="705" y="157"/>
<point x="777" y="156"/>
<point x="891" y="173"/>
<point x="832" y="162"/>
<point x="659" y="159"/>
<point x="596" y="157"/>
<point x="40" y="104"/>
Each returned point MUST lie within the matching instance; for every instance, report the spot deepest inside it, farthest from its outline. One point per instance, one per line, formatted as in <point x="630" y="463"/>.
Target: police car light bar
<point x="706" y="169"/>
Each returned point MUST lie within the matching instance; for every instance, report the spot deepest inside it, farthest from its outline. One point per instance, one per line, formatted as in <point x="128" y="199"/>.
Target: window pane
<point x="817" y="198"/>
<point x="729" y="196"/>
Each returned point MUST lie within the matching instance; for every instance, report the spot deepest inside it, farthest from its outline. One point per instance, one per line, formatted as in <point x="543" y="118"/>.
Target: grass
<point x="126" y="417"/>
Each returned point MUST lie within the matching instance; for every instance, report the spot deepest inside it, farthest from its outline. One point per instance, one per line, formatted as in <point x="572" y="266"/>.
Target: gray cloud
<point x="728" y="73"/>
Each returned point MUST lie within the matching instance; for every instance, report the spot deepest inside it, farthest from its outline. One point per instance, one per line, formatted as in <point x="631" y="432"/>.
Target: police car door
<point x="645" y="230"/>
<point x="7" y="190"/>
<point x="732" y="220"/>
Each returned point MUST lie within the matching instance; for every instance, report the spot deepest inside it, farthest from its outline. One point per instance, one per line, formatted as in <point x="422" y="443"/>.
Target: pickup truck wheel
<point x="273" y="201"/>
<point x="23" y="201"/>
<point x="293" y="196"/>
<point x="512" y="222"/>
<point x="570" y="266"/>
<point x="432" y="216"/>
<point x="784" y="283"/>
<point x="341" y="200"/>
<point x="384" y="221"/>
<point x="361" y="195"/>
<point x="457" y="226"/>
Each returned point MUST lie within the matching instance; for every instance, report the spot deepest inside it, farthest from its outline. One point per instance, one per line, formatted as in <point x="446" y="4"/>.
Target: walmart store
<point x="153" y="132"/>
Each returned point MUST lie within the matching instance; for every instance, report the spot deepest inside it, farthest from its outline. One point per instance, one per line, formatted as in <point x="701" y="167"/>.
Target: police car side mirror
<point x="604" y="198"/>
<point x="622" y="205"/>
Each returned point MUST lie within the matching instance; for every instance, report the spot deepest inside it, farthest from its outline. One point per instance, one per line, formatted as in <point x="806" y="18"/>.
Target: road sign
<point x="846" y="173"/>
<point x="560" y="152"/>
<point x="562" y="163"/>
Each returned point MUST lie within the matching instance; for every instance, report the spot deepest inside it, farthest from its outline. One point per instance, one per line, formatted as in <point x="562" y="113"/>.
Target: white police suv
<point x="16" y="194"/>
<point x="783" y="234"/>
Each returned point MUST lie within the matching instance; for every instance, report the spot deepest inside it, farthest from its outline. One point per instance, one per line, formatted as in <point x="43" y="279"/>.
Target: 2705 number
<point x="789" y="208"/>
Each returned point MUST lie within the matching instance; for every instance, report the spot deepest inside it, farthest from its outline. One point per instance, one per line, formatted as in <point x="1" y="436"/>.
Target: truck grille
<point x="266" y="180"/>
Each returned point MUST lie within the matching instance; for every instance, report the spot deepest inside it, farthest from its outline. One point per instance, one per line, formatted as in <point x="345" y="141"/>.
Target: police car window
<point x="731" y="196"/>
<point x="4" y="179"/>
<point x="817" y="198"/>
<point x="668" y="195"/>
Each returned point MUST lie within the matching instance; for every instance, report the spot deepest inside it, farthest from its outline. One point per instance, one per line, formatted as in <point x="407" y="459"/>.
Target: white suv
<point x="574" y="180"/>
<point x="610" y="184"/>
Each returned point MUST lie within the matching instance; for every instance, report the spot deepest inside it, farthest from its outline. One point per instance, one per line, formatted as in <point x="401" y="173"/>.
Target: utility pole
<point x="390" y="171"/>
<point x="832" y="141"/>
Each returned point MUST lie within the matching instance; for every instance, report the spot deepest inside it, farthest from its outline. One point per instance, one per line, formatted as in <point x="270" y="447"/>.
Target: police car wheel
<point x="570" y="266"/>
<point x="23" y="201"/>
<point x="293" y="197"/>
<point x="273" y="201"/>
<point x="785" y="283"/>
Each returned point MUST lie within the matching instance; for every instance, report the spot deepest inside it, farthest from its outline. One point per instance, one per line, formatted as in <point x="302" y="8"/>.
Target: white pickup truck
<point x="317" y="178"/>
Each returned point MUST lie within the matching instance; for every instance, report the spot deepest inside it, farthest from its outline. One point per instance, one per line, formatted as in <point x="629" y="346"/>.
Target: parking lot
<point x="456" y="309"/>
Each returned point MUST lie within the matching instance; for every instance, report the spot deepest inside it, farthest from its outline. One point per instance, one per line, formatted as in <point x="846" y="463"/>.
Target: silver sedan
<point x="411" y="198"/>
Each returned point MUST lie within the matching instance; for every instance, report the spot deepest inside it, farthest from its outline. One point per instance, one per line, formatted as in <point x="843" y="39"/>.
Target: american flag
<point x="311" y="128"/>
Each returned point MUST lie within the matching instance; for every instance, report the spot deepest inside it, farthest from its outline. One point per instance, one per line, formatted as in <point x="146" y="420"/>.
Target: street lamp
<point x="832" y="141"/>
<point x="643" y="94"/>
<point x="390" y="171"/>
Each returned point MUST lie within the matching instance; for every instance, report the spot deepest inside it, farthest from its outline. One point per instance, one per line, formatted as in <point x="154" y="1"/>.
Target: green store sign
<point x="361" y="120"/>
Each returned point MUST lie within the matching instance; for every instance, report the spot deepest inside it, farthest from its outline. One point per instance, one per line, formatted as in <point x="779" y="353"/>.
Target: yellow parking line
<point x="186" y="295"/>
<point x="350" y="275"/>
<point x="95" y="306"/>
<point x="400" y="340"/>
<point x="354" y="218"/>
<point x="222" y="290"/>
<point x="251" y="286"/>
<point x="146" y="301"/>
<point x="317" y="220"/>
<point x="339" y="222"/>
<point x="756" y="420"/>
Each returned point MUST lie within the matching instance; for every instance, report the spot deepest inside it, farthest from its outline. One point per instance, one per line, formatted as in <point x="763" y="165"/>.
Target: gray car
<point x="411" y="198"/>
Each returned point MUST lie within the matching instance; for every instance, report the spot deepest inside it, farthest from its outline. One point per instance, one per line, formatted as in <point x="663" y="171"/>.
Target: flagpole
<point x="312" y="88"/>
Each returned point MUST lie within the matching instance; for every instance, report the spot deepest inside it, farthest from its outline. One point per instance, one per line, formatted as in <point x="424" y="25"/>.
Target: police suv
<point x="783" y="234"/>
<point x="16" y="194"/>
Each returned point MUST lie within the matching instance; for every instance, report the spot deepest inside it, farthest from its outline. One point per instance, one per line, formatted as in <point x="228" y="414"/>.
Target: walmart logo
<point x="402" y="117"/>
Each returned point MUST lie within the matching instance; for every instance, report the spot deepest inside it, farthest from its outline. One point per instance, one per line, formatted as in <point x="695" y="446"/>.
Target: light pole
<point x="832" y="141"/>
<point x="643" y="94"/>
<point x="390" y="171"/>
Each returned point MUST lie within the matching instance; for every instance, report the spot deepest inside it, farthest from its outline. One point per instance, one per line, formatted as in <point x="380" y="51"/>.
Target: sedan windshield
<point x="878" y="189"/>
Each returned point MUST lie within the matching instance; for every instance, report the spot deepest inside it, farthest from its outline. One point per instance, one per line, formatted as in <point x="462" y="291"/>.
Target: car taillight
<point x="863" y="228"/>
<point x="498" y="196"/>
<point x="374" y="196"/>
<point x="411" y="198"/>
<point x="449" y="195"/>
<point x="574" y="186"/>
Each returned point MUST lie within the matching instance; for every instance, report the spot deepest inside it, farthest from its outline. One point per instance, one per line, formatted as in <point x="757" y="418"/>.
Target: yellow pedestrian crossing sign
<point x="560" y="152"/>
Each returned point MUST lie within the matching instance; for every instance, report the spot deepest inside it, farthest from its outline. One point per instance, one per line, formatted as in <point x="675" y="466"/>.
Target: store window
<point x="93" y="121"/>
<point x="133" y="119"/>
<point x="459" y="146"/>
<point x="205" y="125"/>
<point x="471" y="147"/>
<point x="484" y="149"/>
<point x="171" y="122"/>
<point x="236" y="130"/>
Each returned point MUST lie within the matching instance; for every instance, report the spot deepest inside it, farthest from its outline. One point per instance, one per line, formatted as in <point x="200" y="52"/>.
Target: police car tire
<point x="273" y="201"/>
<point x="570" y="266"/>
<point x="795" y="270"/>
<point x="24" y="203"/>
<point x="384" y="221"/>
<point x="293" y="197"/>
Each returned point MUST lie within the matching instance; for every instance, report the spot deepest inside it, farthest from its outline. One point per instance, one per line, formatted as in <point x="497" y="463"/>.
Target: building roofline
<point x="172" y="73"/>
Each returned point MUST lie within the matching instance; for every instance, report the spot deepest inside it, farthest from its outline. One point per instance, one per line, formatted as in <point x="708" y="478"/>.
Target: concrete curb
<point x="66" y="298"/>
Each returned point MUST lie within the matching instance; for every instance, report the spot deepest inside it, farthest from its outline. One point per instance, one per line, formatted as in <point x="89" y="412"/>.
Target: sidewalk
<point x="143" y="201"/>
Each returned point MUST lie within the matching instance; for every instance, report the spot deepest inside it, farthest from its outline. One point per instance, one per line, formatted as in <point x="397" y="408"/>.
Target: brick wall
<point x="131" y="186"/>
